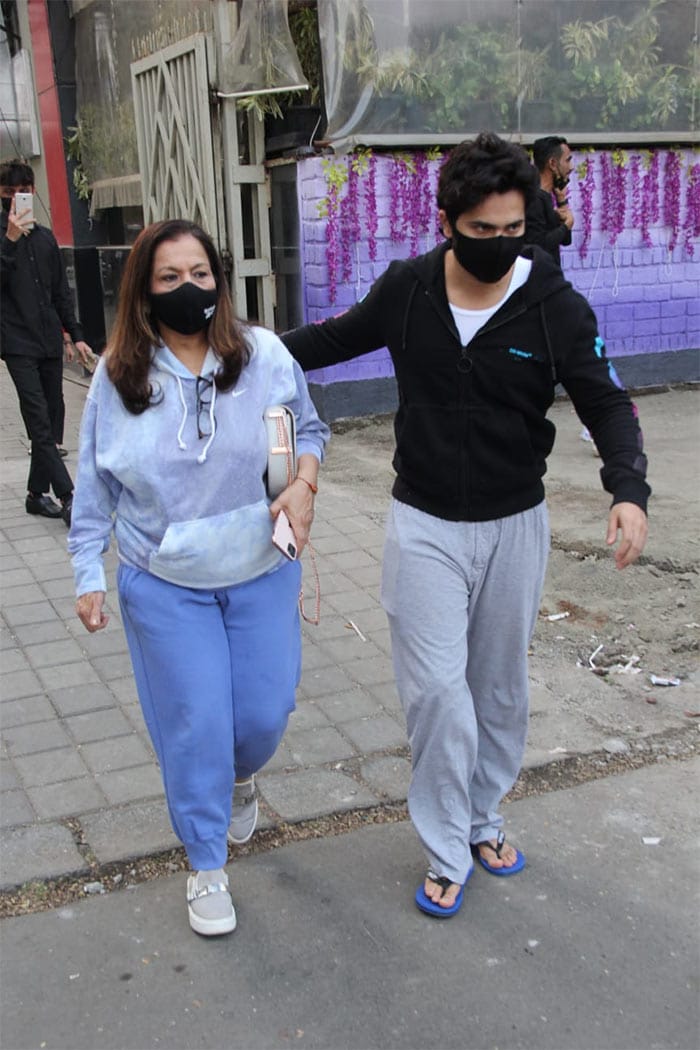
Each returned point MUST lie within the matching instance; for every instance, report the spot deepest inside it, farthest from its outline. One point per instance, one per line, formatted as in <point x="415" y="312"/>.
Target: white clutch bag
<point x="281" y="448"/>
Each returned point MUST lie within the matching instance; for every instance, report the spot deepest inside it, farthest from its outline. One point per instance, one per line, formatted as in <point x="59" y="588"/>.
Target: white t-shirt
<point x="470" y="321"/>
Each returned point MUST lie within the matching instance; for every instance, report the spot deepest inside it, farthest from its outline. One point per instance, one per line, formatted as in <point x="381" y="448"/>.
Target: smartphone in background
<point x="283" y="536"/>
<point x="24" y="201"/>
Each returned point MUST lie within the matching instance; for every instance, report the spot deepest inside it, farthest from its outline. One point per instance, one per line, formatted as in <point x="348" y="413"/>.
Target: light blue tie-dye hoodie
<point x="190" y="510"/>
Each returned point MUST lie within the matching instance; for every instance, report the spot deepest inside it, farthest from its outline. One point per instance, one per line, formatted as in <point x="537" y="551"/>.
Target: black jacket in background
<point x="472" y="437"/>
<point x="544" y="227"/>
<point x="35" y="300"/>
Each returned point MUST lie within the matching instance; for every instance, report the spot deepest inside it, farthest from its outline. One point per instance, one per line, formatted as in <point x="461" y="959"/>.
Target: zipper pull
<point x="464" y="365"/>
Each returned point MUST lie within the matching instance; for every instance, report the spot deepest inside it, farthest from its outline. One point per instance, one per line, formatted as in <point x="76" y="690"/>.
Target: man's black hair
<point x="476" y="169"/>
<point x="543" y="149"/>
<point x="16" y="173"/>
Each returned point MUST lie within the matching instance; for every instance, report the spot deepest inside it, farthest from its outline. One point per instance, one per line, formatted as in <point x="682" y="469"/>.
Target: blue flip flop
<point x="430" y="907"/>
<point x="513" y="869"/>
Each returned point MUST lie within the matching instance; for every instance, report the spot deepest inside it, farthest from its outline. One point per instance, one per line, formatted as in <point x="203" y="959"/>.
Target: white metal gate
<point x="173" y="128"/>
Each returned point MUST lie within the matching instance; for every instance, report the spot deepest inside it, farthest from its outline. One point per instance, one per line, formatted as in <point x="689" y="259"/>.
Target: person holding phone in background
<point x="36" y="309"/>
<point x="173" y="455"/>
<point x="546" y="225"/>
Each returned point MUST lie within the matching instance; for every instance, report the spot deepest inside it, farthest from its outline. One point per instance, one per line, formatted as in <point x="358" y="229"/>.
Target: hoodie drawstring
<point x="181" y="443"/>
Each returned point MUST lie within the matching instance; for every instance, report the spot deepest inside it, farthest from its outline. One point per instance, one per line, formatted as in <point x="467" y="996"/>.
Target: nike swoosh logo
<point x="237" y="393"/>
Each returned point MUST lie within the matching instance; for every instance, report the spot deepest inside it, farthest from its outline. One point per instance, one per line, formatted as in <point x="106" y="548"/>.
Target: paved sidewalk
<point x="75" y="752"/>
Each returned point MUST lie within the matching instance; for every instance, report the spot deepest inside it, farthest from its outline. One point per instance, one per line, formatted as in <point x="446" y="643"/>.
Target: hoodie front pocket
<point x="219" y="551"/>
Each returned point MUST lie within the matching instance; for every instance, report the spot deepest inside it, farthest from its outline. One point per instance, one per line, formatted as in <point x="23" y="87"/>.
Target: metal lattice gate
<point x="173" y="129"/>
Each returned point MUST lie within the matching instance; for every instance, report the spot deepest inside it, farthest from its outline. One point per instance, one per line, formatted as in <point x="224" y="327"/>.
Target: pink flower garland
<point x="636" y="184"/>
<point x="371" y="217"/>
<point x="691" y="226"/>
<point x="587" y="190"/>
<point x="672" y="196"/>
<point x="332" y="242"/>
<point x="650" y="197"/>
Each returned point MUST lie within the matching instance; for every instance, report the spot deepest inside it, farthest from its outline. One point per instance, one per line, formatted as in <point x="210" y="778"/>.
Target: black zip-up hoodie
<point x="472" y="437"/>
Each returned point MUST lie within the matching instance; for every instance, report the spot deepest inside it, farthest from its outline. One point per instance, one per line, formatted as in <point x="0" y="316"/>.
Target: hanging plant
<point x="329" y="208"/>
<point x="691" y="227"/>
<point x="371" y="216"/>
<point x="672" y="196"/>
<point x="650" y="195"/>
<point x="586" y="182"/>
<point x="636" y="188"/>
<point x="618" y="194"/>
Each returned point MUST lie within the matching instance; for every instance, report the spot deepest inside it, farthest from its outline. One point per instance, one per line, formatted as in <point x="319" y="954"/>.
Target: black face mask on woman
<point x="486" y="258"/>
<point x="187" y="309"/>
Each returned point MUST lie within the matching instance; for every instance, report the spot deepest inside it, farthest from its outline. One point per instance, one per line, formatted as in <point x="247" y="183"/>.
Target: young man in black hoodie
<point x="479" y="332"/>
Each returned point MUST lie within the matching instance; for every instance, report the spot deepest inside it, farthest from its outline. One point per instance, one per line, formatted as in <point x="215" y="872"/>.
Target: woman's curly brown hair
<point x="134" y="333"/>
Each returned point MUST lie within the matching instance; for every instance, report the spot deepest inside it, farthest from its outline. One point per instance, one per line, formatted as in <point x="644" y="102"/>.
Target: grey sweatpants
<point x="462" y="599"/>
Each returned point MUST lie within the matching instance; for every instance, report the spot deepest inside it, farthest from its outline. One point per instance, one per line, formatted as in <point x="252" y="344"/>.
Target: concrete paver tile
<point x="105" y="756"/>
<point x="13" y="660"/>
<point x="109" y="642"/>
<point x="9" y="781"/>
<point x="38" y="736"/>
<point x="50" y="767"/>
<point x="130" y="831"/>
<point x="58" y="587"/>
<point x="53" y="630"/>
<point x="98" y="725"/>
<point x="313" y="793"/>
<point x="36" y="612"/>
<point x="17" y="684"/>
<point x="281" y="760"/>
<point x="388" y="775"/>
<point x="60" y="676"/>
<point x="313" y="747"/>
<point x="47" y="851"/>
<point x="15" y="808"/>
<point x="371" y="672"/>
<point x="307" y="715"/>
<point x="28" y="709"/>
<point x="319" y="683"/>
<point x="350" y="602"/>
<point x="124" y="689"/>
<point x="387" y="696"/>
<point x="349" y="706"/>
<point x="79" y="699"/>
<point x="351" y="561"/>
<point x="132" y="785"/>
<point x="375" y="734"/>
<point x="16" y="577"/>
<point x="67" y="798"/>
<point x="117" y="665"/>
<point x="33" y="546"/>
<point x="346" y="650"/>
<point x="49" y="654"/>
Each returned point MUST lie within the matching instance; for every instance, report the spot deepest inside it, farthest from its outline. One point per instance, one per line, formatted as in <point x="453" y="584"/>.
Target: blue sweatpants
<point x="216" y="673"/>
<point x="462" y="600"/>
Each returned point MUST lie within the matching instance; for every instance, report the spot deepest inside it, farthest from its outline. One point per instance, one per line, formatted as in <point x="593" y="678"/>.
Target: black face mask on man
<point x="486" y="258"/>
<point x="188" y="309"/>
<point x="6" y="204"/>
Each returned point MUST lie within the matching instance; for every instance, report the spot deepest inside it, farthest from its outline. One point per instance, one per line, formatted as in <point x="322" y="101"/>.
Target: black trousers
<point x="39" y="385"/>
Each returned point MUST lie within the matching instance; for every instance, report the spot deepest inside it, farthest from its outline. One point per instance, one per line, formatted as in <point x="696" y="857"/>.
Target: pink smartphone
<point x="283" y="536"/>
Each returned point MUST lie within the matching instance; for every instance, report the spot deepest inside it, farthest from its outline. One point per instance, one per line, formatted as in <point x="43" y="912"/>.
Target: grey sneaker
<point x="209" y="903"/>
<point x="244" y="812"/>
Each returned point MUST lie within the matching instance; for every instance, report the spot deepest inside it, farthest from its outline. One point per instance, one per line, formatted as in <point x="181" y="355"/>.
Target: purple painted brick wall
<point x="637" y="260"/>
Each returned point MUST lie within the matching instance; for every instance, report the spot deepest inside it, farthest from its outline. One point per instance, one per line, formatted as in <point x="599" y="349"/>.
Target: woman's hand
<point x="89" y="609"/>
<point x="297" y="500"/>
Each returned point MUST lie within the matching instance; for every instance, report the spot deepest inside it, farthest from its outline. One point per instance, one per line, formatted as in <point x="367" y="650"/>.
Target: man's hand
<point x="19" y="225"/>
<point x="89" y="609"/>
<point x="566" y="215"/>
<point x="631" y="520"/>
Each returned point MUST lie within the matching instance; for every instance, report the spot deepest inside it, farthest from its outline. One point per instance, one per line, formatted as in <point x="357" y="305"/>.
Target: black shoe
<point x="43" y="505"/>
<point x="67" y="509"/>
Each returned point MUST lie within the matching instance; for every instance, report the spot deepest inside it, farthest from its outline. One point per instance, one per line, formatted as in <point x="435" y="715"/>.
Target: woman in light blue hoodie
<point x="173" y="452"/>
